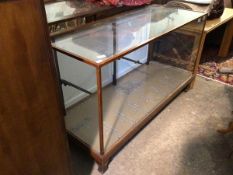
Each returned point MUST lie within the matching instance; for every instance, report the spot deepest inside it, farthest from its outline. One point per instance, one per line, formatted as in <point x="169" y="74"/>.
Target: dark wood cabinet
<point x="32" y="132"/>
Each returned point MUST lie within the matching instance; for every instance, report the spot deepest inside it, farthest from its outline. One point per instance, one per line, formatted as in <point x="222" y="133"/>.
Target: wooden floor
<point x="135" y="95"/>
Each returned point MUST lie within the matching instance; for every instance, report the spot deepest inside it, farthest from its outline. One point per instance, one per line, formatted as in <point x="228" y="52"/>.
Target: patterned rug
<point x="213" y="69"/>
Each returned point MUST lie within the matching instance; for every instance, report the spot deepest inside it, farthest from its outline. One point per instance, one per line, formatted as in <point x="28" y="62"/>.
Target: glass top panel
<point x="121" y="34"/>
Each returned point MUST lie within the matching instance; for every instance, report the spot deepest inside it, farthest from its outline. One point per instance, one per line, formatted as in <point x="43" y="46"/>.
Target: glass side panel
<point x="180" y="47"/>
<point x="121" y="34"/>
<point x="81" y="119"/>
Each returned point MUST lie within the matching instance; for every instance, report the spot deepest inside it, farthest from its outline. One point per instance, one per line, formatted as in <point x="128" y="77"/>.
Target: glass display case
<point x="107" y="117"/>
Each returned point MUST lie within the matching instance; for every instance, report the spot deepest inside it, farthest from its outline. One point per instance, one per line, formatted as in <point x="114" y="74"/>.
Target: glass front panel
<point x="108" y="38"/>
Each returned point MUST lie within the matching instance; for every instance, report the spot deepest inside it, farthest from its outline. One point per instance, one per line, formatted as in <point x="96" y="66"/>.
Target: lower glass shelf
<point x="134" y="97"/>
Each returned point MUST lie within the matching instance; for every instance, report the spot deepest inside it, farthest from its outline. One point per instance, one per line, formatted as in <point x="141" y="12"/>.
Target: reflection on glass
<point x="180" y="47"/>
<point x="56" y="11"/>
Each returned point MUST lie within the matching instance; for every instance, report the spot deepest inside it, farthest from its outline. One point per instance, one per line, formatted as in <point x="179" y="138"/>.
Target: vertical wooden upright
<point x="32" y="132"/>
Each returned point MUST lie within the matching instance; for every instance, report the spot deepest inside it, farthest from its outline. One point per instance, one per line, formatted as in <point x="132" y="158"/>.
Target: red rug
<point x="211" y="70"/>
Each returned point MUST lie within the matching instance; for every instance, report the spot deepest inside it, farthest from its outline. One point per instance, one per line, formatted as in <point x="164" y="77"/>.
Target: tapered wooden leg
<point x="103" y="167"/>
<point x="188" y="87"/>
<point x="100" y="109"/>
<point x="199" y="54"/>
<point x="226" y="41"/>
<point x="227" y="130"/>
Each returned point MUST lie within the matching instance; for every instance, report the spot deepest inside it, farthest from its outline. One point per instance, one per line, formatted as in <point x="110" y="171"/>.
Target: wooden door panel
<point x="32" y="133"/>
